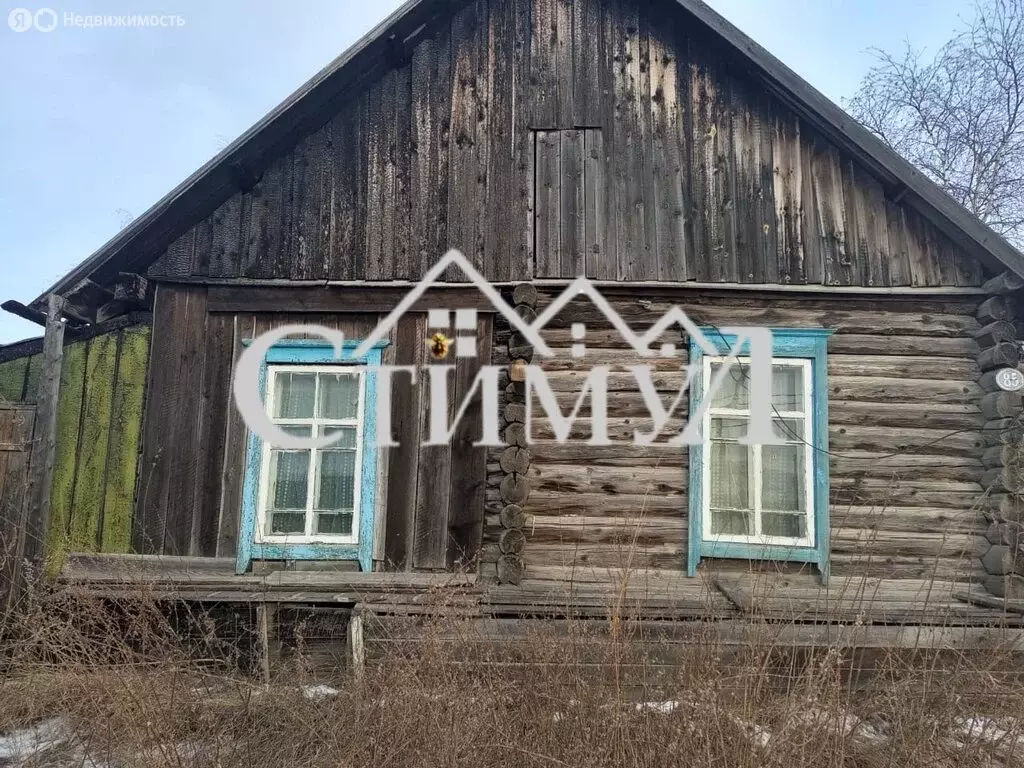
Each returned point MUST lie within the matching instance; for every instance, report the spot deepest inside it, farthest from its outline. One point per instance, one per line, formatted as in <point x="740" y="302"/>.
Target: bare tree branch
<point x="959" y="115"/>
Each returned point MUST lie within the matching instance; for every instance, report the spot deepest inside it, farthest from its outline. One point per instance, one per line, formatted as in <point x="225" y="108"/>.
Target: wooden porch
<point x="790" y="609"/>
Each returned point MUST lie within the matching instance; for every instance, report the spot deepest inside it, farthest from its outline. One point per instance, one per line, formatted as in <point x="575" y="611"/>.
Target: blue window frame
<point x="793" y="525"/>
<point x="291" y="522"/>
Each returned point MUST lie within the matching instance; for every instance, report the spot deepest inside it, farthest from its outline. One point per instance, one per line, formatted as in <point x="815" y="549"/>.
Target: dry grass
<point x="137" y="685"/>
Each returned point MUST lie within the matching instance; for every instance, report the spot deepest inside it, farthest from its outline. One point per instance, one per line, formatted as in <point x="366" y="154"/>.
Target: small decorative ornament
<point x="438" y="344"/>
<point x="1010" y="379"/>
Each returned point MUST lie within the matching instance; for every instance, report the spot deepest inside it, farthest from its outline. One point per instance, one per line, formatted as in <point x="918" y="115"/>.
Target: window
<point x="313" y="494"/>
<point x="313" y="504"/>
<point x="762" y="501"/>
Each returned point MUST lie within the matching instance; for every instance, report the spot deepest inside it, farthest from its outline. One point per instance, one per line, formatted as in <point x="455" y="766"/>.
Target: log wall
<point x="549" y="138"/>
<point x="906" y="441"/>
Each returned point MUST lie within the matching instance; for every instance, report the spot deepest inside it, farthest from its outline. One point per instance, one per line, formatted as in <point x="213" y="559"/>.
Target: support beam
<point x="35" y="514"/>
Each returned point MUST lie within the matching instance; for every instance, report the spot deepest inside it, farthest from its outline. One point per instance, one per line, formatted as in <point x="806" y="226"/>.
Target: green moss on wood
<point x="125" y="431"/>
<point x="12" y="379"/>
<point x="93" y="441"/>
<point x="69" y="411"/>
<point x="35" y="369"/>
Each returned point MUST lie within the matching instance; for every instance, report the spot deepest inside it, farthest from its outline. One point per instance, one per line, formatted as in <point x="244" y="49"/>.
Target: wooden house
<point x="647" y="145"/>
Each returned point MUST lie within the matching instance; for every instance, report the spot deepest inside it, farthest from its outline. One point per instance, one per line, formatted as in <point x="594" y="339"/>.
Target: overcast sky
<point x="98" y="124"/>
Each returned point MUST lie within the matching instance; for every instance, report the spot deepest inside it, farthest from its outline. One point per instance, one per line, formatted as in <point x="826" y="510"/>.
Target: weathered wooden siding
<point x="99" y="418"/>
<point x="607" y="127"/>
<point x="16" y="425"/>
<point x="19" y="379"/>
<point x="905" y="440"/>
<point x="193" y="456"/>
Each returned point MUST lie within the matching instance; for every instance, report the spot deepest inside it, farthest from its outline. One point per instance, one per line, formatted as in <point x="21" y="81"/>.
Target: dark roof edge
<point x="840" y="127"/>
<point x="217" y="179"/>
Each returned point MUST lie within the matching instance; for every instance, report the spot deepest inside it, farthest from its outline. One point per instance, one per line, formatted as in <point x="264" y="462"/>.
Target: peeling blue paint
<point x="315" y="352"/>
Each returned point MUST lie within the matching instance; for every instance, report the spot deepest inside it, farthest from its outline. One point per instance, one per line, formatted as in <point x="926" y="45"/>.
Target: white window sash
<point x="262" y="533"/>
<point x="755" y="464"/>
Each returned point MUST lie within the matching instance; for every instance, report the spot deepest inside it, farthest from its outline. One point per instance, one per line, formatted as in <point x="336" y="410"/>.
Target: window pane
<point x="728" y="429"/>
<point x="782" y="482"/>
<point x="729" y="475"/>
<point x="289" y="474"/>
<point x="288" y="522"/>
<point x="339" y="395"/>
<point x="788" y="387"/>
<point x="347" y="439"/>
<point x="337" y="478"/>
<point x="293" y="395"/>
<point x="733" y="392"/>
<point x="790" y="430"/>
<point x="296" y="430"/>
<point x="729" y="522"/>
<point x="790" y="526"/>
<point x="336" y="523"/>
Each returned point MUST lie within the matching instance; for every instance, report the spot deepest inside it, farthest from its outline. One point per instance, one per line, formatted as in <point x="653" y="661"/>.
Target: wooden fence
<point x="98" y="424"/>
<point x="16" y="423"/>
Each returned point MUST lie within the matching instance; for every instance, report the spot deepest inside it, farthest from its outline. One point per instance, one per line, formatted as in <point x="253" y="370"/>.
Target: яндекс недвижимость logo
<point x="752" y="345"/>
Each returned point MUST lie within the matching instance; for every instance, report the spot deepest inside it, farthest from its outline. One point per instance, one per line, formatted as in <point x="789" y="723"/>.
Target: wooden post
<point x="35" y="514"/>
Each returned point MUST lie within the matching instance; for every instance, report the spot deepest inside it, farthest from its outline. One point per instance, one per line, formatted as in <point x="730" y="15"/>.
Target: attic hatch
<point x="569" y="202"/>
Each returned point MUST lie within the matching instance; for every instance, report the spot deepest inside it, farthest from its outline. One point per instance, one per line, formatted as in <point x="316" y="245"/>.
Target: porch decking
<point x="854" y="612"/>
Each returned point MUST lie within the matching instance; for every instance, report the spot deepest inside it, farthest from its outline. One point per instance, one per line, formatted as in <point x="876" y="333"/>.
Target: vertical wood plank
<point x="562" y="57"/>
<point x="344" y="223"/>
<point x="125" y="433"/>
<point x="466" y="102"/>
<point x="543" y="93"/>
<point x="431" y="78"/>
<point x="670" y="176"/>
<point x="547" y="209"/>
<point x="93" y="443"/>
<point x="601" y="263"/>
<point x="243" y="327"/>
<point x="571" y="212"/>
<point x="161" y="414"/>
<point x="469" y="463"/>
<point x="311" y="173"/>
<point x="225" y="253"/>
<point x="202" y="246"/>
<point x="214" y="404"/>
<point x="814" y="257"/>
<point x="66" y="455"/>
<point x="405" y="266"/>
<point x="176" y="261"/>
<point x="37" y="507"/>
<point x="587" y="63"/>
<point x="767" y="263"/>
<point x="380" y="184"/>
<point x="406" y="424"/>
<point x="187" y="452"/>
<point x="16" y="427"/>
<point x="508" y="221"/>
<point x="433" y="490"/>
<point x="362" y="191"/>
<point x="32" y="376"/>
<point x="830" y="215"/>
<point x="264" y="235"/>
<point x="899" y="258"/>
<point x="788" y="196"/>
